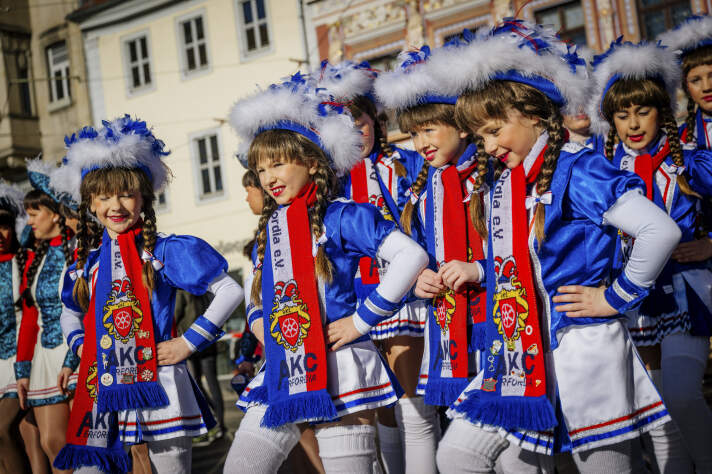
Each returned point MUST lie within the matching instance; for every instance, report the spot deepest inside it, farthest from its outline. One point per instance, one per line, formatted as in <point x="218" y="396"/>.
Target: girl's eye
<point x="694" y="79"/>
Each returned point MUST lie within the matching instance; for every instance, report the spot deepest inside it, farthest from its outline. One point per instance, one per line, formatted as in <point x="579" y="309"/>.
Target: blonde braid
<point x="670" y="128"/>
<point x="267" y="210"/>
<point x="406" y="219"/>
<point x="691" y="119"/>
<point x="557" y="139"/>
<point x="317" y="212"/>
<point x="80" y="293"/>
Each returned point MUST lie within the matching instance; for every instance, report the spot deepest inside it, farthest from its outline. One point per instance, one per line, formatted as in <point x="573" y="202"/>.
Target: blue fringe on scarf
<point x="259" y="395"/>
<point x="303" y="406"/>
<point x="525" y="413"/>
<point x="73" y="456"/>
<point x="127" y="397"/>
<point x="444" y="392"/>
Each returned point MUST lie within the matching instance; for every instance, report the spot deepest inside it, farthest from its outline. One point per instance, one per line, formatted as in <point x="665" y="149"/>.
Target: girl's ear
<point x="463" y="135"/>
<point x="313" y="169"/>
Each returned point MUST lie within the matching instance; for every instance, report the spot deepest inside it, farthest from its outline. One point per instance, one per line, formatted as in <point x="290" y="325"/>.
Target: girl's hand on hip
<point x="341" y="332"/>
<point x="583" y="302"/>
<point x="429" y="284"/>
<point x="693" y="251"/>
<point x="455" y="274"/>
<point x="173" y="351"/>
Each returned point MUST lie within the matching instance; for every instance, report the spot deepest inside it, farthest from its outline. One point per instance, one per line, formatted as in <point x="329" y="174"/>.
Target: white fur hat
<point x="516" y="51"/>
<point x="630" y="61"/>
<point x="11" y="199"/>
<point x="121" y="143"/>
<point x="411" y="84"/>
<point x="346" y="80"/>
<point x="693" y="33"/>
<point x="298" y="105"/>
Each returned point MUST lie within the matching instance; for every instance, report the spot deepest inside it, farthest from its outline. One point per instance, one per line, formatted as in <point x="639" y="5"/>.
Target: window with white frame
<point x="194" y="44"/>
<point x="161" y="201"/>
<point x="138" y="62"/>
<point x="208" y="165"/>
<point x="255" y="28"/>
<point x="58" y="72"/>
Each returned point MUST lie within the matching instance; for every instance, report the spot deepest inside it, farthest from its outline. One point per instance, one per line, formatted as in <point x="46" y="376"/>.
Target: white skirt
<point x="358" y="379"/>
<point x="46" y="366"/>
<point x="606" y="394"/>
<point x="409" y="321"/>
<point x="181" y="417"/>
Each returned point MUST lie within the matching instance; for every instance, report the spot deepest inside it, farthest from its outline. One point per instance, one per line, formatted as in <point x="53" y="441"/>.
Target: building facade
<point x="180" y="65"/>
<point x="376" y="30"/>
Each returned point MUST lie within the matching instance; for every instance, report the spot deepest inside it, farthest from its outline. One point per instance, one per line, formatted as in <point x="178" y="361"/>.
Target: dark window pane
<point x="187" y="32"/>
<point x="214" y="147"/>
<point x="132" y="51"/>
<point x="573" y="16"/>
<point x="206" y="181"/>
<point x="549" y="17"/>
<point x="146" y="73"/>
<point x="190" y="52"/>
<point x="577" y="37"/>
<point x="260" y="9"/>
<point x="218" y="179"/>
<point x="144" y="48"/>
<point x="263" y="35"/>
<point x="250" y="39"/>
<point x="246" y="12"/>
<point x="135" y="76"/>
<point x="162" y="199"/>
<point x="649" y="3"/>
<point x="203" y="55"/>
<point x="67" y="82"/>
<point x="654" y="23"/>
<point x="679" y="13"/>
<point x="202" y="152"/>
<point x="199" y="27"/>
<point x="58" y="84"/>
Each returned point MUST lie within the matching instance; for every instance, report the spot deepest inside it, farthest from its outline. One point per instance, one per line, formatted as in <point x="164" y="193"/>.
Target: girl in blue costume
<point x="383" y="178"/>
<point x="309" y="246"/>
<point x="634" y="89"/>
<point x="44" y="366"/>
<point x="439" y="216"/>
<point x="119" y="303"/>
<point x="554" y="377"/>
<point x="12" y="221"/>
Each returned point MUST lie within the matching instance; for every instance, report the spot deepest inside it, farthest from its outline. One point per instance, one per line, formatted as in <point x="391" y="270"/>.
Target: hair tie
<point x="147" y="256"/>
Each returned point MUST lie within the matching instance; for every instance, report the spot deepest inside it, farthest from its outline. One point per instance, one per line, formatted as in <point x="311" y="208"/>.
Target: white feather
<point x="631" y="61"/>
<point x="688" y="35"/>
<point x="11" y="198"/>
<point x="345" y="80"/>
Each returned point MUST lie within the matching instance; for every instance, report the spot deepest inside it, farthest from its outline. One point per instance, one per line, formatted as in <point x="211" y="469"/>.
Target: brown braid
<point x="21" y="258"/>
<point x="268" y="209"/>
<point x="80" y="293"/>
<point x="64" y="232"/>
<point x="387" y="149"/>
<point x="149" y="232"/>
<point x="691" y="119"/>
<point x="557" y="138"/>
<point x="477" y="213"/>
<point x="41" y="247"/>
<point x="611" y="140"/>
<point x="316" y="220"/>
<point x="670" y="128"/>
<point x="406" y="219"/>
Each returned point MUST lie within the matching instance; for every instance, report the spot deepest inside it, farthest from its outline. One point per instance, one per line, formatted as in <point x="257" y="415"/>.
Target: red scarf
<point x="296" y="373"/>
<point x="646" y="165"/>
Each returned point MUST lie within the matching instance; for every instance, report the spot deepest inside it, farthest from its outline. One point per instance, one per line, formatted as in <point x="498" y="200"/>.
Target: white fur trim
<point x="129" y="151"/>
<point x="400" y="89"/>
<point x="688" y="35"/>
<point x="345" y="80"/>
<point x="338" y="135"/>
<point x="631" y="61"/>
<point x="38" y="165"/>
<point x="14" y="197"/>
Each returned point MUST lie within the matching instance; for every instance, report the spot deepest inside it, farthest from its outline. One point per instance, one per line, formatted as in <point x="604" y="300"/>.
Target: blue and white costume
<point x="187" y="263"/>
<point x="680" y="300"/>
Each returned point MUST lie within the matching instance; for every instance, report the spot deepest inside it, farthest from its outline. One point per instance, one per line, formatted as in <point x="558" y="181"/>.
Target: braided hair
<point x="36" y="200"/>
<point x="409" y="120"/>
<point x="274" y="145"/>
<point x="495" y="102"/>
<point x="650" y="93"/>
<point x="113" y="181"/>
<point x="698" y="57"/>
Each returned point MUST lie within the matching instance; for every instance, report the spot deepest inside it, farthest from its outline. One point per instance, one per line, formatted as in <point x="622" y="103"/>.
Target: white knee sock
<point x="260" y="450"/>
<point x="614" y="458"/>
<point x="171" y="455"/>
<point x="683" y="365"/>
<point x="389" y="443"/>
<point x="348" y="449"/>
<point x="420" y="433"/>
<point x="467" y="448"/>
<point x="668" y="448"/>
<point x="517" y="460"/>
